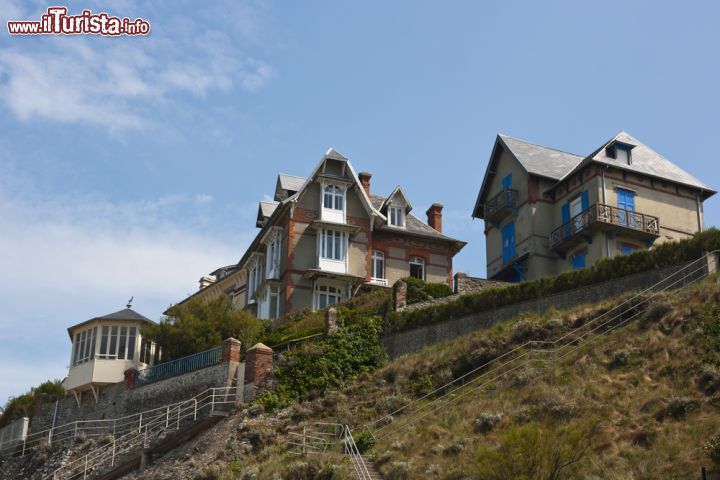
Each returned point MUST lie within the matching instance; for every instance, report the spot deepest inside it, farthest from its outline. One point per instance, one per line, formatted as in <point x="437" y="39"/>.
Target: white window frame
<point x="84" y="344"/>
<point x="274" y="248"/>
<point x="378" y="256"/>
<point x="129" y="352"/>
<point x="332" y="247"/>
<point x="396" y="216"/>
<point x="328" y="291"/>
<point x="415" y="260"/>
<point x="337" y="200"/>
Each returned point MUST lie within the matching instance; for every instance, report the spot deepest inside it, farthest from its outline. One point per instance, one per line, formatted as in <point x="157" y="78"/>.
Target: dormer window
<point x="620" y="152"/>
<point x="334" y="197"/>
<point x="397" y="216"/>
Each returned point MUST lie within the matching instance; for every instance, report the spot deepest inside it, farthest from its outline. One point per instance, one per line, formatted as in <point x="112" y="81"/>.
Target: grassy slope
<point x="628" y="408"/>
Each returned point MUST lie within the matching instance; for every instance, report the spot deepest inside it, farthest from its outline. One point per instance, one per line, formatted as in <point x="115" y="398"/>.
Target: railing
<point x="179" y="366"/>
<point x="506" y="198"/>
<point x="379" y="281"/>
<point x="543" y="353"/>
<point x="154" y="424"/>
<point x="326" y="435"/>
<point x="606" y="214"/>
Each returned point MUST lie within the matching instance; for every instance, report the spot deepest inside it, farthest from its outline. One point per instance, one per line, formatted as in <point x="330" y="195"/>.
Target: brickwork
<point x="258" y="363"/>
<point x="434" y="216"/>
<point x="231" y="350"/>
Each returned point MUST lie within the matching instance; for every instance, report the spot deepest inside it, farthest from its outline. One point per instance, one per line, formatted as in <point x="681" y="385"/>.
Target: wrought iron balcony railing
<point x="606" y="215"/>
<point x="506" y="199"/>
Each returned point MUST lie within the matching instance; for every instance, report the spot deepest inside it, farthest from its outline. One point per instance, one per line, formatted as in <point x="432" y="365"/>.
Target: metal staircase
<point x="153" y="425"/>
<point x="539" y="353"/>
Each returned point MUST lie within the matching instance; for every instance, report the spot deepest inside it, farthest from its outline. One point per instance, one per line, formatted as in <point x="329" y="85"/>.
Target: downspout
<point x="699" y="216"/>
<point x="607" y="240"/>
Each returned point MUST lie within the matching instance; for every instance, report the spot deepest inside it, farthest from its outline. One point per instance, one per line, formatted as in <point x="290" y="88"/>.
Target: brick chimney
<point x="434" y="216"/>
<point x="365" y="181"/>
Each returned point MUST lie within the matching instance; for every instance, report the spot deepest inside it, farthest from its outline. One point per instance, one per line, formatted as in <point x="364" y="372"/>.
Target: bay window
<point x="118" y="342"/>
<point x="333" y="244"/>
<point x="326" y="295"/>
<point x="334" y="197"/>
<point x="273" y="257"/>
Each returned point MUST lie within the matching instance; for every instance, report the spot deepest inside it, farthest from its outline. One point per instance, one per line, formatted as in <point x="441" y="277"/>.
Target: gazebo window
<point x="84" y="346"/>
<point x="117" y="342"/>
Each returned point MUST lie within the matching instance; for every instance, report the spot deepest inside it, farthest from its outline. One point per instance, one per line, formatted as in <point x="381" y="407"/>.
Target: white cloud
<point x="120" y="83"/>
<point x="66" y="259"/>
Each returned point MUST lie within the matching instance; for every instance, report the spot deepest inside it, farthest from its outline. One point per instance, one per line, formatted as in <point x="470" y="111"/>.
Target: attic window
<point x="397" y="217"/>
<point x="620" y="152"/>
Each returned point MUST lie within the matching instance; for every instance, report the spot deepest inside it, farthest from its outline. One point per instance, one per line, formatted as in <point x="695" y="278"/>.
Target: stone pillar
<point x="230" y="350"/>
<point x="459" y="278"/>
<point x="400" y="294"/>
<point x="331" y="325"/>
<point x="130" y="377"/>
<point x="258" y="363"/>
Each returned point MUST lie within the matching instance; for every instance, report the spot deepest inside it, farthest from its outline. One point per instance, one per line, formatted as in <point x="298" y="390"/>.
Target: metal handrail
<point x="508" y="197"/>
<point x="179" y="366"/>
<point x="605" y="214"/>
<point x="502" y="366"/>
<point x="142" y="437"/>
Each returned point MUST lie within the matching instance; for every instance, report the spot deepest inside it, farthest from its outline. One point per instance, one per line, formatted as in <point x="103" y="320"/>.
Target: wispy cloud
<point x="68" y="258"/>
<point x="121" y="83"/>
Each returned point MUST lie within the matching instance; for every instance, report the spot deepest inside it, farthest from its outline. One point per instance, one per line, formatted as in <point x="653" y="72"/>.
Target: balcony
<point x="501" y="205"/>
<point x="601" y="217"/>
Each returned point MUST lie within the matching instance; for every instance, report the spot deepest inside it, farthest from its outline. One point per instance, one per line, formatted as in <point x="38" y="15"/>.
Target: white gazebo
<point x="103" y="348"/>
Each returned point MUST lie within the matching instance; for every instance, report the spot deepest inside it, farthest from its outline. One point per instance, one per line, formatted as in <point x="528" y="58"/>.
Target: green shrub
<point x="364" y="441"/>
<point x="712" y="449"/>
<point x="24" y="405"/>
<point x="327" y="363"/>
<point x="665" y="255"/>
<point x="421" y="291"/>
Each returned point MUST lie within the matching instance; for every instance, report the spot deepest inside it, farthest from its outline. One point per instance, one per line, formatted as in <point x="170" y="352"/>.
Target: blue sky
<point x="132" y="166"/>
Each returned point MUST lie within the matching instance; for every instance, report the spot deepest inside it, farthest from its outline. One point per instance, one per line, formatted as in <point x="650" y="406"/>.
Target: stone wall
<point x="465" y="284"/>
<point x="13" y="432"/>
<point x="117" y="400"/>
<point x="414" y="340"/>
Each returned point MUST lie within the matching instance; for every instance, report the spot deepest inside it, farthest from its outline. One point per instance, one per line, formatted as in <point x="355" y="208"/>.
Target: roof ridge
<point x="502" y="135"/>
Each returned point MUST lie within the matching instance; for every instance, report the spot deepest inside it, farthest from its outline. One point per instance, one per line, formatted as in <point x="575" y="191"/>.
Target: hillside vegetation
<point x="642" y="403"/>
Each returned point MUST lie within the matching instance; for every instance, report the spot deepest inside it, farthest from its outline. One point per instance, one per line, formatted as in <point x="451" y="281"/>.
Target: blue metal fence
<point x="179" y="366"/>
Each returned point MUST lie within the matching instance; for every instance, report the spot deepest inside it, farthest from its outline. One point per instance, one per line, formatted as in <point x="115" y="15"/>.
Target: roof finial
<point x="129" y="304"/>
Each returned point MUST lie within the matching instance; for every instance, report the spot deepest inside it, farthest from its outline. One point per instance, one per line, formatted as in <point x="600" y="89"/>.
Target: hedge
<point x="421" y="291"/>
<point x="665" y="255"/>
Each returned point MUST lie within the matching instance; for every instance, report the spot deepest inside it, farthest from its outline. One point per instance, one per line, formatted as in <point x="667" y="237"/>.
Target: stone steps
<point x="371" y="468"/>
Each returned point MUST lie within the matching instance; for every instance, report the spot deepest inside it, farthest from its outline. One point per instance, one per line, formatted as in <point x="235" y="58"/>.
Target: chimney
<point x="434" y="216"/>
<point x="365" y="181"/>
<point x="206" y="281"/>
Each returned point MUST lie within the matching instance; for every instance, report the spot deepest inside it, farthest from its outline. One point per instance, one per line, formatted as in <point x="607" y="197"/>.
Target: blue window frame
<point x="626" y="199"/>
<point x="508" y="236"/>
<point x="507" y="181"/>
<point x="578" y="260"/>
<point x="626" y="249"/>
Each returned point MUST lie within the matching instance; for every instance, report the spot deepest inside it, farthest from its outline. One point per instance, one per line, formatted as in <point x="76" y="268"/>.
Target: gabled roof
<point x="333" y="154"/>
<point x="265" y="210"/>
<point x="539" y="160"/>
<point x="124" y="315"/>
<point x="398" y="191"/>
<point x="413" y="225"/>
<point x="288" y="183"/>
<point x="645" y="161"/>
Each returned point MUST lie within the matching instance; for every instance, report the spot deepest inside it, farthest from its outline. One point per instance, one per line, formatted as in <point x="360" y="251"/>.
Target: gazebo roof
<point x="124" y="315"/>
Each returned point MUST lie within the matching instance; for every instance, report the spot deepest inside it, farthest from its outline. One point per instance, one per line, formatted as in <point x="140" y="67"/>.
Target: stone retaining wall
<point x="414" y="340"/>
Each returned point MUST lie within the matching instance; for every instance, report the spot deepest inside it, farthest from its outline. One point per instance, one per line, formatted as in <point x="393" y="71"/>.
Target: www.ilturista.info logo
<point x="58" y="22"/>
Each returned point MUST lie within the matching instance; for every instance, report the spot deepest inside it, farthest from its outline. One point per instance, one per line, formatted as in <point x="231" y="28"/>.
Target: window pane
<point x="332" y="299"/>
<point x="104" y="340"/>
<point x="131" y="344"/>
<point x="122" y="343"/>
<point x="113" y="341"/>
<point x="92" y="343"/>
<point x="83" y="345"/>
<point x="339" y="201"/>
<point x="337" y="252"/>
<point x="322" y="301"/>
<point x="77" y="349"/>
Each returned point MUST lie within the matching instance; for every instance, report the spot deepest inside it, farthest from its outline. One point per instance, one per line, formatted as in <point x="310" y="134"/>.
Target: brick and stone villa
<point x="326" y="235"/>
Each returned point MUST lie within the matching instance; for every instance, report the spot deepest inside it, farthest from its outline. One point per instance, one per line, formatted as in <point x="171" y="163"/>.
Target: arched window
<point x="378" y="264"/>
<point x="417" y="267"/>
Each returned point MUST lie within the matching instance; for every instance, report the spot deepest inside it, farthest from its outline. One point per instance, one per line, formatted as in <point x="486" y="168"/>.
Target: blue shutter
<point x="630" y="201"/>
<point x="578" y="261"/>
<point x="565" y="213"/>
<point x="584" y="200"/>
<point x="507" y="181"/>
<point x="508" y="235"/>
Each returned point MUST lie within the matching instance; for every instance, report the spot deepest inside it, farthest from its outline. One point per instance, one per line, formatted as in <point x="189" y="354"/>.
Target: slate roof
<point x="540" y="160"/>
<point x="267" y="208"/>
<point x="412" y="224"/>
<point x="126" y="314"/>
<point x="645" y="161"/>
<point x="291" y="182"/>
